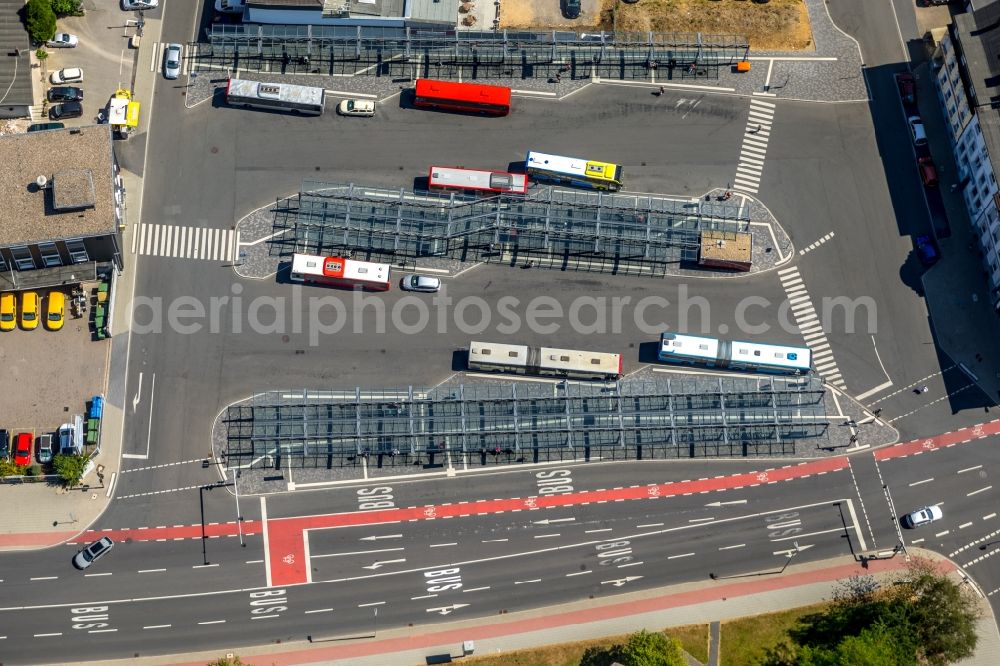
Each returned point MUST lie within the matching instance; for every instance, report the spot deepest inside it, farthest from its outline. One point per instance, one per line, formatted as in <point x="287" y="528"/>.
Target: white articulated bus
<point x="545" y="361"/>
<point x="734" y="355"/>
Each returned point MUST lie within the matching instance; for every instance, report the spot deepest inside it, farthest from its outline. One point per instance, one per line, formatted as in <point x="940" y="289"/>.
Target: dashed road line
<point x="173" y="464"/>
<point x="158" y="492"/>
<point x="816" y="244"/>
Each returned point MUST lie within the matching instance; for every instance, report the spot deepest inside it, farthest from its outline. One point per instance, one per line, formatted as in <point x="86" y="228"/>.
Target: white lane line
<point x="96" y="574"/>
<point x="157" y="626"/>
<point x="267" y="544"/>
<point x="204" y="566"/>
<point x="213" y="622"/>
<point x="677" y="557"/>
<point x="374" y="603"/>
<point x="361" y="552"/>
<point x="989" y="515"/>
<point x="525" y="582"/>
<point x="319" y="610"/>
<point x="969" y="469"/>
<point x="47" y="635"/>
<point x="976" y="492"/>
<point x="917" y="483"/>
<point x="425" y="596"/>
<point x="606" y="529"/>
<point x="495" y="540"/>
<point x="941" y="534"/>
<point x="263" y="617"/>
<point x="477" y="589"/>
<point x="256" y="561"/>
<point x="641" y="527"/>
<point x="101" y="631"/>
<point x="441" y="545"/>
<point x="546" y="536"/>
<point x="578" y="573"/>
<point x="44" y="578"/>
<point x="964" y="525"/>
<point x="739" y="545"/>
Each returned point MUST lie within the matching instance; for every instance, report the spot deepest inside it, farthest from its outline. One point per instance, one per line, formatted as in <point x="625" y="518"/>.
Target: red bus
<point x="454" y="178"/>
<point x="474" y="97"/>
<point x="339" y="272"/>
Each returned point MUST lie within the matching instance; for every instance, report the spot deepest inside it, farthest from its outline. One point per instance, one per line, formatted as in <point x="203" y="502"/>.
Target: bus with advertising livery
<point x="545" y="361"/>
<point x="455" y="178"/>
<point x="455" y="96"/>
<point x="340" y="272"/>
<point x="305" y="100"/>
<point x="573" y="171"/>
<point x="734" y="355"/>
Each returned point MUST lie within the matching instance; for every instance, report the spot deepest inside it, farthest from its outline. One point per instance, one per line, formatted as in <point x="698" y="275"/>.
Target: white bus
<point x="574" y="171"/>
<point x="546" y="361"/>
<point x="305" y="100"/>
<point x="734" y="355"/>
<point x="340" y="272"/>
<point x="455" y="178"/>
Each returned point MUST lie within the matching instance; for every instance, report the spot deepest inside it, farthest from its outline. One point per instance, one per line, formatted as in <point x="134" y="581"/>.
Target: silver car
<point x="62" y="40"/>
<point x="928" y="514"/>
<point x="424" y="283"/>
<point x="92" y="553"/>
<point x="172" y="61"/>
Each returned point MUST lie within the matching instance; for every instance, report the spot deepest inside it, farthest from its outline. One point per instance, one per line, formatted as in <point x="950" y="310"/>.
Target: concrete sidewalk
<point x="694" y="603"/>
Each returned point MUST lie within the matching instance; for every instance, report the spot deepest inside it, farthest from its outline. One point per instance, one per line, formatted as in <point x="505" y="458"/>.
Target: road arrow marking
<point x="138" y="392"/>
<point x="743" y="501"/>
<point x="618" y="582"/>
<point x="549" y="521"/>
<point x="379" y="565"/>
<point x="386" y="536"/>
<point x="445" y="610"/>
<point x="792" y="551"/>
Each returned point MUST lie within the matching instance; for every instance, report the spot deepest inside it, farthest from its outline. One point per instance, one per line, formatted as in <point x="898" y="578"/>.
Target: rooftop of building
<point x="442" y="11"/>
<point x="979" y="35"/>
<point x="77" y="198"/>
<point x="15" y="70"/>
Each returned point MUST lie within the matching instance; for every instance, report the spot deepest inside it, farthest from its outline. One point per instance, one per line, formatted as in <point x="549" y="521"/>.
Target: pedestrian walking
<point x="755" y="129"/>
<point x="877" y="412"/>
<point x="924" y="389"/>
<point x="854" y="439"/>
<point x="662" y="90"/>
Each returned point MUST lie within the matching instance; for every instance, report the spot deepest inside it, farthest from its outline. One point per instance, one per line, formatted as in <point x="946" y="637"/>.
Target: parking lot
<point x="58" y="370"/>
<point x="103" y="53"/>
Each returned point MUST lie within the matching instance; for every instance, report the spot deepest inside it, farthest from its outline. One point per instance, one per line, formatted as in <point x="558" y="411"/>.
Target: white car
<point x="917" y="131"/>
<point x="928" y="514"/>
<point x="356" y="107"/>
<point x="62" y="40"/>
<point x="424" y="283"/>
<point x="67" y="75"/>
<point x="172" y="61"/>
<point x="88" y="555"/>
<point x="129" y="5"/>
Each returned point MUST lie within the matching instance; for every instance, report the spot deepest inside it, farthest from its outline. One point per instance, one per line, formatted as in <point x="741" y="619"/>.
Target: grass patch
<point x="693" y="638"/>
<point x="743" y="642"/>
<point x="778" y="25"/>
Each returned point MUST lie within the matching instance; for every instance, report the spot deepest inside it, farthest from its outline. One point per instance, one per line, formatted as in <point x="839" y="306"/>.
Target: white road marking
<point x="44" y="578"/>
<point x="739" y="545"/>
<point x="47" y="635"/>
<point x="969" y="469"/>
<point x="578" y="573"/>
<point x="359" y="552"/>
<point x="677" y="557"/>
<point x="213" y="622"/>
<point x="917" y="483"/>
<point x="642" y="527"/>
<point x="319" y="610"/>
<point x="477" y="589"/>
<point x="374" y="603"/>
<point x="441" y="545"/>
<point x="158" y="626"/>
<point x="606" y="529"/>
<point x="425" y="596"/>
<point x="96" y="574"/>
<point x="267" y="547"/>
<point x="101" y="631"/>
<point x="976" y="492"/>
<point x="525" y="582"/>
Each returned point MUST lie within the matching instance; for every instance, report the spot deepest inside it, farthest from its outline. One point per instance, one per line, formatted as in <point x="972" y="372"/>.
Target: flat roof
<point x="979" y="35"/>
<point x="78" y="165"/>
<point x="15" y="72"/>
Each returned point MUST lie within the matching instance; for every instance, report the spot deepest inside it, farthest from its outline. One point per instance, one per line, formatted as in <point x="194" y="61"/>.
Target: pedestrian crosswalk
<point x="754" y="148"/>
<point x="810" y="326"/>
<point x="169" y="240"/>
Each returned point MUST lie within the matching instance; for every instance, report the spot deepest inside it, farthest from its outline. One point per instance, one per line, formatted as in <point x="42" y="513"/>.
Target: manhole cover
<point x="214" y="150"/>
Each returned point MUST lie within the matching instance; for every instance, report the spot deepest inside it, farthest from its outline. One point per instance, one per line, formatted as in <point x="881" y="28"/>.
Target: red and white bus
<point x="340" y="272"/>
<point x="454" y="178"/>
<point x="453" y="96"/>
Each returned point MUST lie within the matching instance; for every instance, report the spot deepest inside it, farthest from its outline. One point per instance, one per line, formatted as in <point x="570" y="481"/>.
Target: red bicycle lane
<point x="942" y="441"/>
<point x="286" y="543"/>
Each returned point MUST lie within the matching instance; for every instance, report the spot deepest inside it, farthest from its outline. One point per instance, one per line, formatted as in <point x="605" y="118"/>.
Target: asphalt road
<point x="830" y="168"/>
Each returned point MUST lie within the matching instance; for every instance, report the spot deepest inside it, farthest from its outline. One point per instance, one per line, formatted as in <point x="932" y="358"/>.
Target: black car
<point x="4" y="445"/>
<point x="571" y="8"/>
<point x="66" y="110"/>
<point x="65" y="94"/>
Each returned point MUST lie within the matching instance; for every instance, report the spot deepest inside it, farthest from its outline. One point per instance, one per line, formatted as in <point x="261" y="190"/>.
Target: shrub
<point x="67" y="7"/>
<point x="70" y="468"/>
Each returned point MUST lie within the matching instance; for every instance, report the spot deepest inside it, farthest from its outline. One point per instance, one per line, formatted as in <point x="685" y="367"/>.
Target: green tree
<point x="40" y="20"/>
<point x="943" y="617"/>
<point x="70" y="468"/>
<point x="877" y="646"/>
<point x="646" y="648"/>
<point x="67" y="7"/>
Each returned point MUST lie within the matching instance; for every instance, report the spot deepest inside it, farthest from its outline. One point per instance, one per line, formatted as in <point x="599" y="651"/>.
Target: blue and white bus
<point x="734" y="355"/>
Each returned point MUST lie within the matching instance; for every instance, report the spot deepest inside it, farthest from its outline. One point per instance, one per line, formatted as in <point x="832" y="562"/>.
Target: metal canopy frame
<point x="514" y="422"/>
<point x="557" y="228"/>
<point x="415" y="53"/>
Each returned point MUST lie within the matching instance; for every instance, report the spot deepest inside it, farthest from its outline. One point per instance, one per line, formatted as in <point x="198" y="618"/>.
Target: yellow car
<point x="29" y="310"/>
<point x="8" y="312"/>
<point x="55" y="312"/>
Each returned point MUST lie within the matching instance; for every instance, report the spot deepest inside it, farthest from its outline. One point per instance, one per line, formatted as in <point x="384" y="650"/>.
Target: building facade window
<point x="77" y="250"/>
<point x="22" y="258"/>
<point x="50" y="254"/>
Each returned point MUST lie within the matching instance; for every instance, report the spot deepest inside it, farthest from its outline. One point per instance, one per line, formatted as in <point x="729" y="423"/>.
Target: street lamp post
<point x="239" y="516"/>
